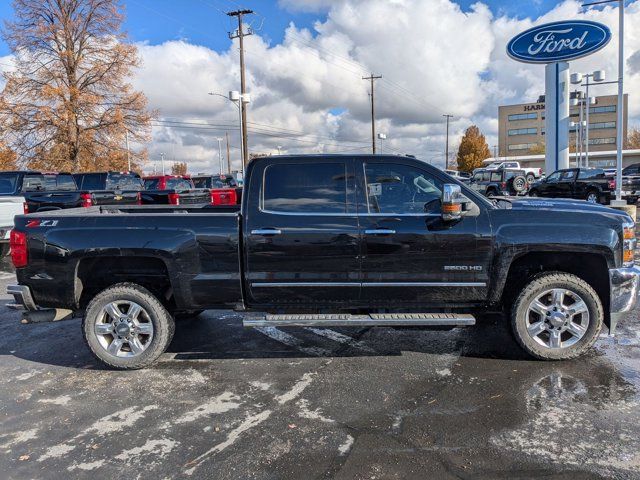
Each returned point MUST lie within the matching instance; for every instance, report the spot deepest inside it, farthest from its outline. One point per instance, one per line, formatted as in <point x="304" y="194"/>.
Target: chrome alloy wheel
<point x="124" y="329"/>
<point x="557" y="318"/>
<point x="592" y="197"/>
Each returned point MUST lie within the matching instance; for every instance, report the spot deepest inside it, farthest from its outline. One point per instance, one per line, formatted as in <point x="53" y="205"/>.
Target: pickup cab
<point x="225" y="189"/>
<point x="173" y="190"/>
<point x="631" y="183"/>
<point x="590" y="184"/>
<point x="328" y="240"/>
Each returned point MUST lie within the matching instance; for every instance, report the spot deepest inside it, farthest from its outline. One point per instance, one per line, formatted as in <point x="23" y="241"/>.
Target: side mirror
<point x="451" y="202"/>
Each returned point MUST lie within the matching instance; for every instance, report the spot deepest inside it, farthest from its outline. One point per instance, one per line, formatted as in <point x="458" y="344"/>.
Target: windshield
<point x="8" y="183"/>
<point x="123" y="181"/>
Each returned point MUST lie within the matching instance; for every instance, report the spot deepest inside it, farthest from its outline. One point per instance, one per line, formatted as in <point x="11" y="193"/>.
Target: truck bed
<point x="197" y="246"/>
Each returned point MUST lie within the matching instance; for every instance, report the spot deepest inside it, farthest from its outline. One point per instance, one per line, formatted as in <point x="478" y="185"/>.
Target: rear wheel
<point x="530" y="178"/>
<point x="593" y="196"/>
<point x="557" y="316"/>
<point x="492" y="193"/>
<point x="126" y="327"/>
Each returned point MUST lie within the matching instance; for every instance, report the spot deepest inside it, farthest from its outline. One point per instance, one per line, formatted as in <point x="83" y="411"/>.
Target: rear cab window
<point x="8" y="183"/>
<point x="591" y="173"/>
<point x="178" y="184"/>
<point x="302" y="188"/>
<point x="202" y="182"/>
<point x="123" y="181"/>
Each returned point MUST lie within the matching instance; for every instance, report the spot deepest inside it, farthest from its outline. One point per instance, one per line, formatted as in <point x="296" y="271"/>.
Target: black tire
<point x="593" y="194"/>
<point x="4" y="249"/>
<point x="491" y="193"/>
<point x="162" y="322"/>
<point x="538" y="286"/>
<point x="186" y="314"/>
<point x="531" y="178"/>
<point x="534" y="193"/>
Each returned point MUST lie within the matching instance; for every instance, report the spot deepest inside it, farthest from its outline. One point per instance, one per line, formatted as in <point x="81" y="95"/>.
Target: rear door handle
<point x="266" y="231"/>
<point x="379" y="231"/>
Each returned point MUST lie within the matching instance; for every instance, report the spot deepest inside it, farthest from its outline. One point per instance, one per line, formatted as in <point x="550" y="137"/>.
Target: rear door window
<point x="305" y="188"/>
<point x="496" y="176"/>
<point x="151" y="183"/>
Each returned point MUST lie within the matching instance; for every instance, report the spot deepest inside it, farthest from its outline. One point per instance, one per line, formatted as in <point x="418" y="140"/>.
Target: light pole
<point x="239" y="100"/>
<point x="279" y="147"/>
<point x="583" y="79"/>
<point x="162" y="162"/>
<point x="382" y="137"/>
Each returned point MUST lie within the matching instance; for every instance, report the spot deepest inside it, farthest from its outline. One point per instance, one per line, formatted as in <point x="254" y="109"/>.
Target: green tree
<point x="473" y="150"/>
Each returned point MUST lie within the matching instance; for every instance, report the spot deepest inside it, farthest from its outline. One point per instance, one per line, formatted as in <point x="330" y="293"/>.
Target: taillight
<point x="612" y="184"/>
<point x="25" y="207"/>
<point x="18" y="247"/>
<point x="174" y="199"/>
<point x="226" y="197"/>
<point x="86" y="200"/>
<point x="139" y="201"/>
<point x="504" y="185"/>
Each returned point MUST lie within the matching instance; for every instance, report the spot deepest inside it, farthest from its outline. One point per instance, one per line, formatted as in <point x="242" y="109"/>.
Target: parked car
<point x="499" y="182"/>
<point x="631" y="183"/>
<point x="225" y="189"/>
<point x="331" y="240"/>
<point x="531" y="174"/>
<point x="111" y="188"/>
<point x="590" y="184"/>
<point x="464" y="177"/>
<point x="173" y="190"/>
<point x="30" y="191"/>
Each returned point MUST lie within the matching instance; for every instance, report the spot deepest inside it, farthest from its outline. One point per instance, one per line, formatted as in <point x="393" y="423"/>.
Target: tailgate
<point x="43" y="201"/>
<point x="114" y="197"/>
<point x="194" y="197"/>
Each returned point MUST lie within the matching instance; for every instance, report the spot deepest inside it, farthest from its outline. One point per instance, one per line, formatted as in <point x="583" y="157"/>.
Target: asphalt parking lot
<point x="228" y="402"/>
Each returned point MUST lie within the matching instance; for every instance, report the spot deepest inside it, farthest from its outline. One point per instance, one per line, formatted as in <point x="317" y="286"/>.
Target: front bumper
<point x="624" y="286"/>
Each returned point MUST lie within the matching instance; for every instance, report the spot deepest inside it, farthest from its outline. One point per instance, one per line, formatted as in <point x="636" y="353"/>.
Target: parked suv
<point x="531" y="174"/>
<point x="500" y="182"/>
<point x="590" y="184"/>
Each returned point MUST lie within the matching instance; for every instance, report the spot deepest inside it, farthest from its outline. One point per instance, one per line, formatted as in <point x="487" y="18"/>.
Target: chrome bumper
<point x="23" y="298"/>
<point x="624" y="289"/>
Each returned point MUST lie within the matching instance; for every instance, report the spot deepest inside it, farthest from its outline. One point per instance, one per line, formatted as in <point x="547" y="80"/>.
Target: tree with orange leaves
<point x="179" y="168"/>
<point x="68" y="105"/>
<point x="7" y="158"/>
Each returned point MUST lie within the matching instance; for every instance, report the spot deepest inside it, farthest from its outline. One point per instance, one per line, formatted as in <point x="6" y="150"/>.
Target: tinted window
<point x="8" y="183"/>
<point x="92" y="181"/>
<point x="512" y="174"/>
<point x="65" y="182"/>
<point x="123" y="181"/>
<point x="202" y="182"/>
<point x="151" y="184"/>
<point x="568" y="175"/>
<point x="305" y="188"/>
<point x="631" y="170"/>
<point x="496" y="176"/>
<point x="401" y="189"/>
<point x="554" y="177"/>
<point x="477" y="177"/>
<point x="592" y="173"/>
<point x="225" y="181"/>
<point x="178" y="184"/>
<point x="33" y="183"/>
<point x="486" y="176"/>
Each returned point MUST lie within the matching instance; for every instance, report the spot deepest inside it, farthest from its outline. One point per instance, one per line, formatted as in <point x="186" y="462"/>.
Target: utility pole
<point x="372" y="78"/>
<point x="240" y="34"/>
<point x="220" y="154"/>
<point x="446" y="151"/>
<point x="228" y="156"/>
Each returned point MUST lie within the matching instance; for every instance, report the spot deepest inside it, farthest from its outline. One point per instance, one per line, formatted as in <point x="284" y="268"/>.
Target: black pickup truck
<point x="590" y="184"/>
<point x="631" y="183"/>
<point x="111" y="188"/>
<point x="173" y="190"/>
<point x="331" y="240"/>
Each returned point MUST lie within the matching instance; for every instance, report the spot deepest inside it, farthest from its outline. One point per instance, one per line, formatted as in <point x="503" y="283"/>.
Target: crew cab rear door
<point x="410" y="255"/>
<point x="300" y="233"/>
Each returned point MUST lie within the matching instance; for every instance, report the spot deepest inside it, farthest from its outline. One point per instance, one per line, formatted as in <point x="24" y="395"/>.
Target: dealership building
<point x="521" y="128"/>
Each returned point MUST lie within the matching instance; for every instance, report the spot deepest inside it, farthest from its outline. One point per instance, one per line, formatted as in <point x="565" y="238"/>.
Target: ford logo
<point x="559" y="41"/>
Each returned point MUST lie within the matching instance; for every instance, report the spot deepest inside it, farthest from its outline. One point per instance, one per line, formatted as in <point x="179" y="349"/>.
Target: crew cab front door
<point x="410" y="256"/>
<point x="301" y="237"/>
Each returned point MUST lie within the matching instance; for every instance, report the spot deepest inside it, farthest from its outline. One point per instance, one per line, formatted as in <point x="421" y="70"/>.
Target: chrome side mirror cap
<point x="451" y="202"/>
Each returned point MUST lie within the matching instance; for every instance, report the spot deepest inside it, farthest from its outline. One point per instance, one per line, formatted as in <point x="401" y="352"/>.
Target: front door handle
<point x="266" y="231"/>
<point x="379" y="231"/>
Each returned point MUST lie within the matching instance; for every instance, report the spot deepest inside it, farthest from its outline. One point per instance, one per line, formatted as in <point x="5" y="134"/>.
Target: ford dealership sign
<point x="559" y="41"/>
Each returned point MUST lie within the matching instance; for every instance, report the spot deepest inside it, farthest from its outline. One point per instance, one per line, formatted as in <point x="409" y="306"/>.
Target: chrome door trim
<point x="368" y="284"/>
<point x="266" y="231"/>
<point x="379" y="231"/>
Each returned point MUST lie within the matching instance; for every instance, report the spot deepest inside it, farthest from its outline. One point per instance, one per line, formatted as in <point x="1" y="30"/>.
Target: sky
<point x="306" y="58"/>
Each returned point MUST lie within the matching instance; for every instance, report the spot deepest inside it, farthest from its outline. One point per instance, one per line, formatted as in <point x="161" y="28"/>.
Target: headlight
<point x="629" y="244"/>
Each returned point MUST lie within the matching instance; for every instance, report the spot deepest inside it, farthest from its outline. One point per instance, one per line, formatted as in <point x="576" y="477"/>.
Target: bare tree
<point x="68" y="104"/>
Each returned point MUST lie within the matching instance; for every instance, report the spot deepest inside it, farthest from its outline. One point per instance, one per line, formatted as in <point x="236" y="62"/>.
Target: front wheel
<point x="126" y="327"/>
<point x="557" y="316"/>
<point x="531" y="178"/>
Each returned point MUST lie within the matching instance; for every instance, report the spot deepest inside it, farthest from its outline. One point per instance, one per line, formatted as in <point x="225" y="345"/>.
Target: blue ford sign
<point x="559" y="41"/>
